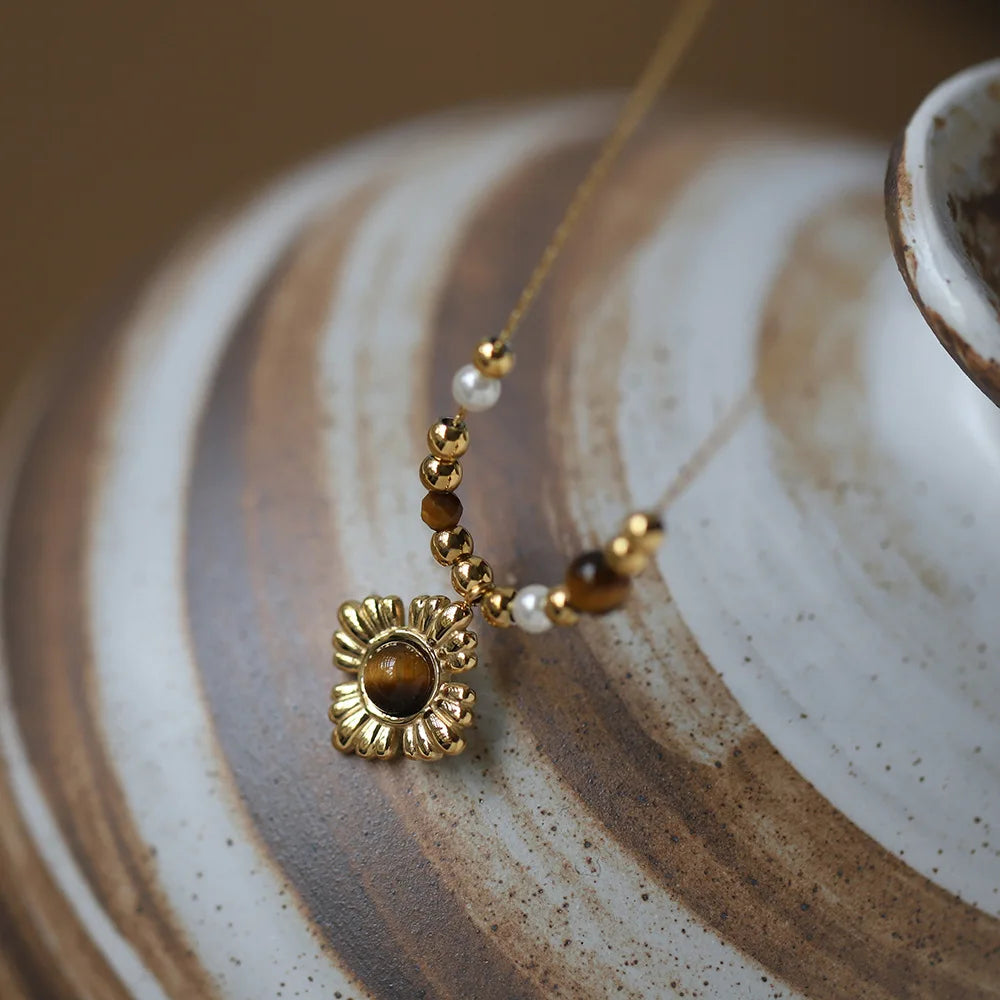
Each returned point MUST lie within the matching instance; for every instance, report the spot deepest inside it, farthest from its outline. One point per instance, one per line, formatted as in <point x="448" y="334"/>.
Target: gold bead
<point x="439" y="475"/>
<point x="557" y="607"/>
<point x="450" y="545"/>
<point x="494" y="358"/>
<point x="646" y="529"/>
<point x="496" y="607"/>
<point x="624" y="555"/>
<point x="472" y="577"/>
<point x="448" y="438"/>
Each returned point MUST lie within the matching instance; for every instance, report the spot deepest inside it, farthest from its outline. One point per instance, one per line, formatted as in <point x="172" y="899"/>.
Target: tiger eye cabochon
<point x="771" y="774"/>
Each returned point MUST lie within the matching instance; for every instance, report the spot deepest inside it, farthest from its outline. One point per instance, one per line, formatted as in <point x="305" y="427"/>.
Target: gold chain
<point x="670" y="50"/>
<point x="596" y="581"/>
<point x="674" y="43"/>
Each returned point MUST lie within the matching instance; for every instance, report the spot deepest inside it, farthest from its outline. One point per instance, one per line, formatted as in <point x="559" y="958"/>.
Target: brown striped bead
<point x="593" y="586"/>
<point x="441" y="511"/>
<point x="399" y="678"/>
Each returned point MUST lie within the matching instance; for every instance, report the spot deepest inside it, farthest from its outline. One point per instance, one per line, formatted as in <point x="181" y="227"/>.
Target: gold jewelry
<point x="403" y="697"/>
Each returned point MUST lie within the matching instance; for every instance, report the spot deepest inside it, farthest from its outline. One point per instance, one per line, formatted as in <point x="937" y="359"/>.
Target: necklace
<point x="403" y="696"/>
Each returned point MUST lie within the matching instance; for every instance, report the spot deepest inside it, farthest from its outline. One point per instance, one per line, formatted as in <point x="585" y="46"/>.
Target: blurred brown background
<point x="123" y="121"/>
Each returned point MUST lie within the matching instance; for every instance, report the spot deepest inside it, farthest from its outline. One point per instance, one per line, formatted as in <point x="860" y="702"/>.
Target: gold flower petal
<point x="388" y="743"/>
<point x="460" y="641"/>
<point x="345" y="697"/>
<point x="351" y="619"/>
<point x="390" y="613"/>
<point x="418" y="742"/>
<point x="417" y="609"/>
<point x="461" y="693"/>
<point x="460" y="661"/>
<point x="368" y="612"/>
<point x="447" y="731"/>
<point x="346" y="653"/>
<point x="426" y="740"/>
<point x="349" y="643"/>
<point x="366" y="735"/>
<point x="454" y="710"/>
<point x="376" y="739"/>
<point x="417" y="606"/>
<point x="384" y="744"/>
<point x="422" y="609"/>
<point x="347" y="728"/>
<point x="409" y="744"/>
<point x="448" y="619"/>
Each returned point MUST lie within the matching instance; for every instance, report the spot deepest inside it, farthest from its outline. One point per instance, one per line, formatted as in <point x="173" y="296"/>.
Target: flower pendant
<point x="402" y="696"/>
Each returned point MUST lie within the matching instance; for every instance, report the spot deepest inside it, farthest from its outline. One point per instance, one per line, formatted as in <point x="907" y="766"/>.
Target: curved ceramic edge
<point x="948" y="154"/>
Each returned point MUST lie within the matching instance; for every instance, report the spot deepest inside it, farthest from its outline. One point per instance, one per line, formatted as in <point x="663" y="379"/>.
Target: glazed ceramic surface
<point x="774" y="774"/>
<point x="943" y="209"/>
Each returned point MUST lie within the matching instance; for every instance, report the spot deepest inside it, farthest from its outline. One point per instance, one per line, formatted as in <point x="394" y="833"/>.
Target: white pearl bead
<point x="474" y="390"/>
<point x="528" y="608"/>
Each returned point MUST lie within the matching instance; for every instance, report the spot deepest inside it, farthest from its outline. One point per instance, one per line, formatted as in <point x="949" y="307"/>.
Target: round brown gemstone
<point x="593" y="586"/>
<point x="441" y="511"/>
<point x="399" y="678"/>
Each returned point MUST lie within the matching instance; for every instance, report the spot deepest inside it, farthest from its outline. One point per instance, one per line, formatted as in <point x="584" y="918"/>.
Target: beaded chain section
<point x="403" y="696"/>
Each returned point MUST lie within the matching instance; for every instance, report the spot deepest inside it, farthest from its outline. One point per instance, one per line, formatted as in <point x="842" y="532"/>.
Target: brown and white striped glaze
<point x="773" y="775"/>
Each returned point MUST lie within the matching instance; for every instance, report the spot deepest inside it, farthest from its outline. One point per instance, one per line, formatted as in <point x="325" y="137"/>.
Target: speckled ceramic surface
<point x="943" y="209"/>
<point x="773" y="775"/>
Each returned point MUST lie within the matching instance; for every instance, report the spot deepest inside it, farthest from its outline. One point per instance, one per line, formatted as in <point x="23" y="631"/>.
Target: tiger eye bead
<point x="593" y="586"/>
<point x="398" y="678"/>
<point x="448" y="438"/>
<point x="496" y="607"/>
<point x="439" y="475"/>
<point x="472" y="577"/>
<point x="558" y="608"/>
<point x="625" y="556"/>
<point x="645" y="529"/>
<point x="494" y="358"/>
<point x="441" y="511"/>
<point x="449" y="546"/>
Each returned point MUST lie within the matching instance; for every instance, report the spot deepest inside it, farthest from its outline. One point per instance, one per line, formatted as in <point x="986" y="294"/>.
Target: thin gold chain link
<point x="673" y="44"/>
<point x="719" y="435"/>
